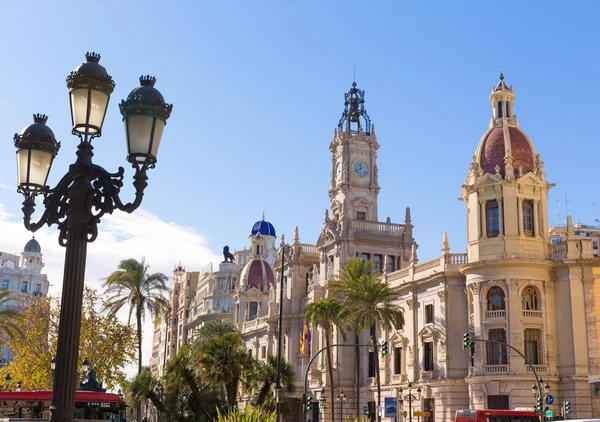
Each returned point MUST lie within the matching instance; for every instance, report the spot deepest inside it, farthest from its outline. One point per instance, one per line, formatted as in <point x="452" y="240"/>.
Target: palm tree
<point x="325" y="314"/>
<point x="224" y="361"/>
<point x="214" y="329"/>
<point x="9" y="315"/>
<point x="267" y="373"/>
<point x="367" y="303"/>
<point x="131" y="285"/>
<point x="144" y="386"/>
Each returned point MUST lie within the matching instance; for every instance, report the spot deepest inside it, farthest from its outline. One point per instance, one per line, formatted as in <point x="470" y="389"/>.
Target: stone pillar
<point x="483" y="224"/>
<point x="514" y="332"/>
<point x="520" y="215"/>
<point x="477" y="328"/>
<point x="500" y="217"/>
<point x="536" y="223"/>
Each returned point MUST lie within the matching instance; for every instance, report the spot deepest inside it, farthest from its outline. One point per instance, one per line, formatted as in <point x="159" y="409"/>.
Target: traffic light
<point x="467" y="341"/>
<point x="235" y="406"/>
<point x="384" y="348"/>
<point x="308" y="402"/>
<point x="366" y="410"/>
<point x="538" y="405"/>
<point x="566" y="408"/>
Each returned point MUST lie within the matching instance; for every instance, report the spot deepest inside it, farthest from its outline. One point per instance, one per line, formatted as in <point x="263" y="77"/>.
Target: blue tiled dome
<point x="263" y="227"/>
<point x="33" y="246"/>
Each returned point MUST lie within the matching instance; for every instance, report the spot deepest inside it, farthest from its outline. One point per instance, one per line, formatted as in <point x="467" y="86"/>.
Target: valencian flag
<point x="305" y="339"/>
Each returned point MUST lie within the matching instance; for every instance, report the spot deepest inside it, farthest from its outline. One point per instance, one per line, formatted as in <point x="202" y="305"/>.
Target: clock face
<point x="338" y="171"/>
<point x="360" y="169"/>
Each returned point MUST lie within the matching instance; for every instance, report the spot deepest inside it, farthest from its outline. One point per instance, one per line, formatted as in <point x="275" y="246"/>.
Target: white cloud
<point x="121" y="236"/>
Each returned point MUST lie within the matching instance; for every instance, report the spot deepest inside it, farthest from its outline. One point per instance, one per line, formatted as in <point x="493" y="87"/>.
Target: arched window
<point x="530" y="299"/>
<point x="495" y="299"/>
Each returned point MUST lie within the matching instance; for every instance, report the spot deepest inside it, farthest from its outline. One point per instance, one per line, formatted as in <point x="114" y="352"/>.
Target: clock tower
<point x="354" y="185"/>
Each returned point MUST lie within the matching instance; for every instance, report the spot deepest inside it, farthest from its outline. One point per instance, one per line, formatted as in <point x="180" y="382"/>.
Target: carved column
<point x="478" y="329"/>
<point x="536" y="223"/>
<point x="500" y="217"/>
<point x="520" y="215"/>
<point x="483" y="224"/>
<point x="514" y="327"/>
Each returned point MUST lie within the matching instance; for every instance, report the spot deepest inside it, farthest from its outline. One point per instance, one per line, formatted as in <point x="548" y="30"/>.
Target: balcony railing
<point x="501" y="314"/>
<point x="540" y="369"/>
<point x="376" y="226"/>
<point x="496" y="369"/>
<point x="532" y="314"/>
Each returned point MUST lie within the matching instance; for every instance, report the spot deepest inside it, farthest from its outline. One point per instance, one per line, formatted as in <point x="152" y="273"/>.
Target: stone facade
<point x="513" y="285"/>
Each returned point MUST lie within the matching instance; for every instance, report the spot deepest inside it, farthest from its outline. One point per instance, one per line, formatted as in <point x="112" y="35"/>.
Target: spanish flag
<point x="305" y="340"/>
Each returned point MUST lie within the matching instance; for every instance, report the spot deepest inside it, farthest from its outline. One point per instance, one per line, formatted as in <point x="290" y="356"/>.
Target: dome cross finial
<point x="501" y="75"/>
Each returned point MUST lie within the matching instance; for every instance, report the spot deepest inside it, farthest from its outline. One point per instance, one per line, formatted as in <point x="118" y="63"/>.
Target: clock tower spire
<point x="354" y="180"/>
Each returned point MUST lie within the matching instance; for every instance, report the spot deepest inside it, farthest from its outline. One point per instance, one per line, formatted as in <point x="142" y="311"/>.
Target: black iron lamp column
<point x="341" y="398"/>
<point x="278" y="387"/>
<point x="85" y="193"/>
<point x="322" y="401"/>
<point x="410" y="397"/>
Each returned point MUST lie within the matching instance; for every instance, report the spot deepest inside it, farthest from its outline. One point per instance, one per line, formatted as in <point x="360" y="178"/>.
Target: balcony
<point x="539" y="369"/>
<point x="496" y="369"/>
<point x="532" y="314"/>
<point x="501" y="314"/>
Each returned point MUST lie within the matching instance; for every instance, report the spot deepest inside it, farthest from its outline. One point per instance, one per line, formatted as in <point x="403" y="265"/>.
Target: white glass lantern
<point x="36" y="149"/>
<point x="145" y="115"/>
<point x="90" y="87"/>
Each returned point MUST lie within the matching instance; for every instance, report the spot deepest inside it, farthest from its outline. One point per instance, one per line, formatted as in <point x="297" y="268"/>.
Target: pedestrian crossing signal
<point x="366" y="410"/>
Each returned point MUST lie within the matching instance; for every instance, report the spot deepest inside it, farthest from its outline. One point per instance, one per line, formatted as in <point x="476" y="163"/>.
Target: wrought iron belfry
<point x="85" y="193"/>
<point x="354" y="109"/>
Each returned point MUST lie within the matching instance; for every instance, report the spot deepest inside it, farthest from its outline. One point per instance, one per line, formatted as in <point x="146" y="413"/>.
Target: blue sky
<point x="258" y="88"/>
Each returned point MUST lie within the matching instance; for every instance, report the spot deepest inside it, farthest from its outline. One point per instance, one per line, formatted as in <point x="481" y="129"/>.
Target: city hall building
<point x="512" y="285"/>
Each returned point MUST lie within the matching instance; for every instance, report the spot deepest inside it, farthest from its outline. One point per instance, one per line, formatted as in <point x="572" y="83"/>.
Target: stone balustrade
<point x="499" y="314"/>
<point x="376" y="226"/>
<point x="495" y="369"/>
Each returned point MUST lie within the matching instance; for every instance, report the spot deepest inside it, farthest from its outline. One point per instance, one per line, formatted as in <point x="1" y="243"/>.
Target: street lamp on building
<point x="85" y="193"/>
<point x="410" y="397"/>
<point x="322" y="401"/>
<point x="341" y="398"/>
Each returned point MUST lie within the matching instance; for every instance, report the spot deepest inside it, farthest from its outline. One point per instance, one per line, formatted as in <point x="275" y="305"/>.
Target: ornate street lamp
<point x="7" y="379"/>
<point x="53" y="363"/>
<point x="410" y="397"/>
<point x="85" y="193"/>
<point x="85" y="365"/>
<point x="19" y="386"/>
<point x="341" y="398"/>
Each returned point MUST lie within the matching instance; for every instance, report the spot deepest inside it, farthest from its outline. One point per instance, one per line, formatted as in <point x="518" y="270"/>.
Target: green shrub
<point x="248" y="415"/>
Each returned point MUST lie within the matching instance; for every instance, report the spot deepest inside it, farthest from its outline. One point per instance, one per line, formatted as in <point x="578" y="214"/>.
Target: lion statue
<point x="227" y="255"/>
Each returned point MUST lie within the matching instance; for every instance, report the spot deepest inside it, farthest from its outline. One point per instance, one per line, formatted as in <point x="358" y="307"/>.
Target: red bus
<point x="88" y="405"/>
<point x="471" y="415"/>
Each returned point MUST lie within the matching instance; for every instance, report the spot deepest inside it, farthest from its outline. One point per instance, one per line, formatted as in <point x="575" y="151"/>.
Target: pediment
<point x="428" y="332"/>
<point x="360" y="202"/>
<point x="489" y="179"/>
<point x="398" y="338"/>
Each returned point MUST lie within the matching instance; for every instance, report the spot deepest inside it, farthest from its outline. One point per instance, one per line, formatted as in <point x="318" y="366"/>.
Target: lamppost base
<point x="64" y="414"/>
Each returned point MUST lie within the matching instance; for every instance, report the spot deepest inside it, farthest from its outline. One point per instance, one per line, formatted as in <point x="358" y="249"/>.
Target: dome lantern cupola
<point x="503" y="98"/>
<point x="355" y="118"/>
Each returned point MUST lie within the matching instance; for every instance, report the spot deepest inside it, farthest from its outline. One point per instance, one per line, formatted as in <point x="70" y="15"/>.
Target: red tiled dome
<point x="492" y="151"/>
<point x="257" y="273"/>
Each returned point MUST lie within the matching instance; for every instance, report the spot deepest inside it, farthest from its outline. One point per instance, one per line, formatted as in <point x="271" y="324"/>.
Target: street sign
<point x="405" y="413"/>
<point x="391" y="410"/>
<point x="550" y="413"/>
<point x="422" y="414"/>
<point x="549" y="399"/>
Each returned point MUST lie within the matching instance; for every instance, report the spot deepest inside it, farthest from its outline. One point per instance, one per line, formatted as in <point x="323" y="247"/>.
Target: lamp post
<point x="19" y="386"/>
<point x="410" y="397"/>
<point x="341" y="398"/>
<point x="322" y="401"/>
<point x="85" y="193"/>
<point x="7" y="379"/>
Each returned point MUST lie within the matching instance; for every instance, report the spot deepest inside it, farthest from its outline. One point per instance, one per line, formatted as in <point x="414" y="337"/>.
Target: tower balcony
<point x="527" y="314"/>
<point x="392" y="229"/>
<point x="495" y="369"/>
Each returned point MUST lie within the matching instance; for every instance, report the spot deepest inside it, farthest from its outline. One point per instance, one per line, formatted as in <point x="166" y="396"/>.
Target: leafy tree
<point x="367" y="303"/>
<point x="144" y="386"/>
<point x="132" y="286"/>
<point x="325" y="314"/>
<point x="33" y="350"/>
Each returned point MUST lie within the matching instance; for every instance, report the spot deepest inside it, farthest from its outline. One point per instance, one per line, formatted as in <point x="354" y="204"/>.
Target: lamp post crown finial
<point x="147" y="80"/>
<point x="40" y="118"/>
<point x="92" y="57"/>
